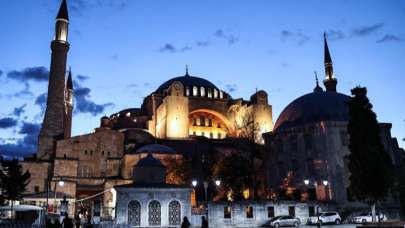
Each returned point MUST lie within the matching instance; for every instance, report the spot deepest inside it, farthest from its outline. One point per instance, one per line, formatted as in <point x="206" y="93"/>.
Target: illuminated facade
<point x="189" y="106"/>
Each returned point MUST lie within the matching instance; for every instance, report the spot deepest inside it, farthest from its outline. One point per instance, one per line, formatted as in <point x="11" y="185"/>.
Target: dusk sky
<point x="122" y="50"/>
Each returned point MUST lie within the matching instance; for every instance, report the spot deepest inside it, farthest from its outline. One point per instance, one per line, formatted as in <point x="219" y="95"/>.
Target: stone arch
<point x="134" y="213"/>
<point x="174" y="213"/>
<point x="214" y="113"/>
<point x="154" y="213"/>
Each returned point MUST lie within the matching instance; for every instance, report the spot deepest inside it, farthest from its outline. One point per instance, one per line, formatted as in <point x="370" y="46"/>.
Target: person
<point x="186" y="223"/>
<point x="77" y="221"/>
<point x="56" y="224"/>
<point x="204" y="222"/>
<point x="67" y="222"/>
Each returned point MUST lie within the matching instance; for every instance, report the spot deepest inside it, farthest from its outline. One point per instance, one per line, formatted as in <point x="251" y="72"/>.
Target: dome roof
<point x="314" y="107"/>
<point x="149" y="161"/>
<point x="189" y="81"/>
<point x="155" y="149"/>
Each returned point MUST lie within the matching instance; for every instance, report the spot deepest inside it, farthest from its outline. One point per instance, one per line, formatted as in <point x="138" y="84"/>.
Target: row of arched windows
<point x="154" y="213"/>
<point x="203" y="92"/>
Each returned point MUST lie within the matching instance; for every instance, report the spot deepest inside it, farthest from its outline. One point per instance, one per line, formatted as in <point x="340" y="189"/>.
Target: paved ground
<point x="332" y="226"/>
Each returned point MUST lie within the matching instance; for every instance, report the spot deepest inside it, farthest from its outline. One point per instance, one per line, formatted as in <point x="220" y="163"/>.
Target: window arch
<point x="154" y="215"/>
<point x="134" y="213"/>
<point x="187" y="91"/>
<point x="215" y="93"/>
<point x="202" y="91"/>
<point x="174" y="213"/>
<point x="221" y="94"/>
<point x="195" y="91"/>
<point x="209" y="93"/>
<point x="84" y="171"/>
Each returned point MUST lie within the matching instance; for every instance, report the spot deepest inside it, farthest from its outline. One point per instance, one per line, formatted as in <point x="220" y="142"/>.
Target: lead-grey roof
<point x="314" y="107"/>
<point x="189" y="81"/>
<point x="149" y="161"/>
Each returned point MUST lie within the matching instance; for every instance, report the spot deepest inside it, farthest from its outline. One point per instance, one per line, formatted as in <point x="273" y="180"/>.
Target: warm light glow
<point x="217" y="182"/>
<point x="325" y="182"/>
<point x="61" y="183"/>
<point x="306" y="181"/>
<point x="246" y="193"/>
<point x="194" y="183"/>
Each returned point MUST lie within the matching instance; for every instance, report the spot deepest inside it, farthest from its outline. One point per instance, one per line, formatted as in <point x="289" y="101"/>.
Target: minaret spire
<point x="54" y="125"/>
<point x="187" y="71"/>
<point x="330" y="81"/>
<point x="317" y="87"/>
<point x="63" y="11"/>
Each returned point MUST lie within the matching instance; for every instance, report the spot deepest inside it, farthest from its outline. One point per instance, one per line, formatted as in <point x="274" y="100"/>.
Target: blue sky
<point x="121" y="50"/>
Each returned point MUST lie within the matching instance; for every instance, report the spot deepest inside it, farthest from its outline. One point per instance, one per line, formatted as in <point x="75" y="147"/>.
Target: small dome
<point x="149" y="161"/>
<point x="155" y="149"/>
<point x="314" y="107"/>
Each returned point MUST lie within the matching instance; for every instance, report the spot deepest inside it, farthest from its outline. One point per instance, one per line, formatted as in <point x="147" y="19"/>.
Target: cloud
<point x="81" y="6"/>
<point x="25" y="145"/>
<point x="202" y="43"/>
<point x="24" y="93"/>
<point x="19" y="110"/>
<point x="1" y="73"/>
<point x="335" y="34"/>
<point x="83" y="104"/>
<point x="37" y="74"/>
<point x="170" y="48"/>
<point x="114" y="57"/>
<point x="231" y="39"/>
<point x="230" y="88"/>
<point x="297" y="37"/>
<point x="7" y="122"/>
<point x="82" y="78"/>
<point x="41" y="101"/>
<point x="389" y="38"/>
<point x="367" y="30"/>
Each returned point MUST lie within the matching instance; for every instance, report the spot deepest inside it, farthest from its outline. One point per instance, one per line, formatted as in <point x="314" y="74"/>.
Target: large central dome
<point x="314" y="107"/>
<point x="188" y="81"/>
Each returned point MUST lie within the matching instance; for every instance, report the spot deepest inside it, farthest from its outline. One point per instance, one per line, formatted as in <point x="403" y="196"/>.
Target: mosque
<point x="181" y="118"/>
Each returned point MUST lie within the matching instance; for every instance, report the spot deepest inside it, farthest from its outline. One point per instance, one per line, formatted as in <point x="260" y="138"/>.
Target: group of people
<point x="187" y="224"/>
<point x="67" y="222"/>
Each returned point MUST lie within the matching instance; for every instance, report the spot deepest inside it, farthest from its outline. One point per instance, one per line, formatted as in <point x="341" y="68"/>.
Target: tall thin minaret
<point x="330" y="81"/>
<point x="67" y="122"/>
<point x="53" y="125"/>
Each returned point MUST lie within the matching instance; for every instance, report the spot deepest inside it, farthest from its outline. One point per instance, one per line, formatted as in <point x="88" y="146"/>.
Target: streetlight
<point x="325" y="182"/>
<point x="217" y="183"/>
<point x="61" y="183"/>
<point x="194" y="183"/>
<point x="306" y="182"/>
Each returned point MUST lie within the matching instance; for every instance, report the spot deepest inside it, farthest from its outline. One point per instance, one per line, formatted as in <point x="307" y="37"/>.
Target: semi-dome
<point x="156" y="149"/>
<point x="314" y="107"/>
<point x="149" y="161"/>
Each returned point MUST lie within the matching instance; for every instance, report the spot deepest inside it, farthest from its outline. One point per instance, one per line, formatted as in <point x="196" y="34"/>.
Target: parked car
<point x="368" y="217"/>
<point x="325" y="217"/>
<point x="284" y="220"/>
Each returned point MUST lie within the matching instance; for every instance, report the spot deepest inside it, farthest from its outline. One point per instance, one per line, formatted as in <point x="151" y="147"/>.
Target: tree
<point x="234" y="172"/>
<point x="14" y="180"/>
<point x="370" y="166"/>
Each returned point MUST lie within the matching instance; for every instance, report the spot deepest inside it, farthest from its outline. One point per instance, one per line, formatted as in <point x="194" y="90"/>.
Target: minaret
<point x="317" y="88"/>
<point x="53" y="126"/>
<point x="67" y="123"/>
<point x="330" y="81"/>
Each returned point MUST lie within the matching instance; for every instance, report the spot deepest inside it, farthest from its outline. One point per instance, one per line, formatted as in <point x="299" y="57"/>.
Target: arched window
<point x="134" y="213"/>
<point x="84" y="171"/>
<point x="195" y="91"/>
<point x="154" y="213"/>
<point x="202" y="91"/>
<point x="249" y="212"/>
<point x="215" y="93"/>
<point x="209" y="92"/>
<point x="187" y="91"/>
<point x="221" y="94"/>
<point x="174" y="213"/>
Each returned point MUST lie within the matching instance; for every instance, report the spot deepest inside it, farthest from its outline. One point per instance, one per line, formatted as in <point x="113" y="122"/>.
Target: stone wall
<point x="39" y="175"/>
<point x="238" y="216"/>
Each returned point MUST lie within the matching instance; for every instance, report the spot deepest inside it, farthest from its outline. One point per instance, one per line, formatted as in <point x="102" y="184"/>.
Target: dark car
<point x="283" y="220"/>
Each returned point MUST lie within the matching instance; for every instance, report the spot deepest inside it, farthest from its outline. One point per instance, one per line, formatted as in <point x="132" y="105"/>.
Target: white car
<point x="325" y="217"/>
<point x="367" y="217"/>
